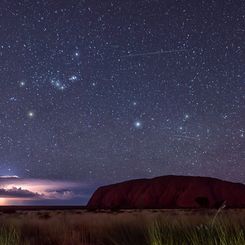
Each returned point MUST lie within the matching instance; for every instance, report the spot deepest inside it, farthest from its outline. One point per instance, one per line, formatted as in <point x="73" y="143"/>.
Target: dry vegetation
<point x="148" y="227"/>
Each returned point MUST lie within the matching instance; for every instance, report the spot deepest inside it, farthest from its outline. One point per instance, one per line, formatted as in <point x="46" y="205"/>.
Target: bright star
<point x="22" y="83"/>
<point x="31" y="114"/>
<point x="138" y="124"/>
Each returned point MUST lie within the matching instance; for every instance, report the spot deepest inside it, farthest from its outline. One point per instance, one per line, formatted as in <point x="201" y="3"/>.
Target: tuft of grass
<point x="9" y="235"/>
<point x="219" y="234"/>
<point x="125" y="233"/>
<point x="218" y="211"/>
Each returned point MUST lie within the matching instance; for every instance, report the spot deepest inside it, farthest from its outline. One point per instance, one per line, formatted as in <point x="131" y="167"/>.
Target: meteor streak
<point x="155" y="53"/>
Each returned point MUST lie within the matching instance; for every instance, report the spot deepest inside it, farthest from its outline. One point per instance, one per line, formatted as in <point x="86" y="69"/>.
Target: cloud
<point x="20" y="189"/>
<point x="63" y="194"/>
<point x="9" y="177"/>
<point x="18" y="192"/>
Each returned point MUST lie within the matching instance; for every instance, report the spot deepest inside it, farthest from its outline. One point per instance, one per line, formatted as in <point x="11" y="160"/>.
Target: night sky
<point x="96" y="92"/>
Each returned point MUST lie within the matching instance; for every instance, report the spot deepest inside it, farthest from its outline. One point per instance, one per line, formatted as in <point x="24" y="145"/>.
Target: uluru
<point x="169" y="192"/>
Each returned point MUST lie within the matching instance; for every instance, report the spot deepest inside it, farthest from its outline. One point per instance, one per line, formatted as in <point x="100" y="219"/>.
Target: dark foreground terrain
<point x="68" y="226"/>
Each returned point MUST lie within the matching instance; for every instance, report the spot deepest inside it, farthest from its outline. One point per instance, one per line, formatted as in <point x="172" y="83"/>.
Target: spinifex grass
<point x="148" y="227"/>
<point x="9" y="235"/>
<point x="185" y="234"/>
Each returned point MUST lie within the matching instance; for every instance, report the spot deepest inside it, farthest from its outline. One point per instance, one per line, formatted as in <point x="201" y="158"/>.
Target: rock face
<point x="169" y="192"/>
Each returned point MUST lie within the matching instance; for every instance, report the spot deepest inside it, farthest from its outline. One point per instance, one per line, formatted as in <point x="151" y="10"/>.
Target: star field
<point x="104" y="91"/>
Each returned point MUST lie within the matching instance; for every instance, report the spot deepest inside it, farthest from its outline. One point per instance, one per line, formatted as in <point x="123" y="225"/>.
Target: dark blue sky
<point x="103" y="91"/>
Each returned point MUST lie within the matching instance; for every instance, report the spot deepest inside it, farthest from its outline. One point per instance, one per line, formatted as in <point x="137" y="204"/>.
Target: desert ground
<point x="73" y="226"/>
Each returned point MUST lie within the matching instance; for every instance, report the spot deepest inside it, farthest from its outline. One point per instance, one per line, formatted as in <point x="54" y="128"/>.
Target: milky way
<point x="103" y="91"/>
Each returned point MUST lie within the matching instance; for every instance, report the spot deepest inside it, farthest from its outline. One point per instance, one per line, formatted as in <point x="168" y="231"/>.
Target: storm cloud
<point x="19" y="190"/>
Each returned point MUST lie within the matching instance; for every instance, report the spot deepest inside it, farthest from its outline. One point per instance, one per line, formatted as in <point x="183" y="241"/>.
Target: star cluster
<point x="103" y="91"/>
